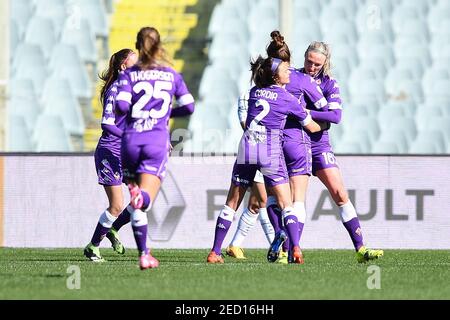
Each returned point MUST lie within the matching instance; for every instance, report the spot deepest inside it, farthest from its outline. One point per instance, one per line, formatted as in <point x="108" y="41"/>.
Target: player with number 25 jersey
<point x="148" y="100"/>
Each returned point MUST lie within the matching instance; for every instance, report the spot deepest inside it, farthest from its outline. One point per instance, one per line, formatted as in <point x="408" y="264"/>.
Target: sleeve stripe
<point x="124" y="96"/>
<point x="306" y="121"/>
<point x="110" y="121"/>
<point x="321" y="103"/>
<point x="185" y="100"/>
<point x="334" y="106"/>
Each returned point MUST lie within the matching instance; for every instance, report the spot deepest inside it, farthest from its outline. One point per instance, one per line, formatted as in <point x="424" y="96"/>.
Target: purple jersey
<point x="261" y="144"/>
<point x="107" y="153"/>
<point x="109" y="138"/>
<point x="146" y="96"/>
<point x="330" y="90"/>
<point x="303" y="87"/>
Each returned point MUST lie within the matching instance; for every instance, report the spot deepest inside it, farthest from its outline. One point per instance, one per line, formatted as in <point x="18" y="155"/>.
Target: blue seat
<point x="41" y="32"/>
<point x="18" y="135"/>
<point x="58" y="100"/>
<point x="50" y="136"/>
<point x="81" y="36"/>
<point x="66" y="64"/>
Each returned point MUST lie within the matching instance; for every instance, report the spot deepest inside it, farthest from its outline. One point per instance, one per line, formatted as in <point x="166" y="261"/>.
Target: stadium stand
<point x="391" y="59"/>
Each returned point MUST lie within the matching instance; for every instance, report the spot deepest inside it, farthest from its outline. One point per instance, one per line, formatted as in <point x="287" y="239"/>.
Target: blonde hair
<point x="323" y="48"/>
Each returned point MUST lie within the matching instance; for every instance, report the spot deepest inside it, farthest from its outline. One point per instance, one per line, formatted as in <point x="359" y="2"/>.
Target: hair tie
<point x="275" y="63"/>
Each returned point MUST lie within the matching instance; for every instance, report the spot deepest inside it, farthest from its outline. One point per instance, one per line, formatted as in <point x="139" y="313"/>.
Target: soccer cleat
<point x="235" y="252"/>
<point x="214" y="258"/>
<point x="275" y="247"/>
<point x="147" y="261"/>
<point x="283" y="258"/>
<point x="113" y="236"/>
<point x="93" y="253"/>
<point x="364" y="254"/>
<point x="297" y="255"/>
<point x="136" y="199"/>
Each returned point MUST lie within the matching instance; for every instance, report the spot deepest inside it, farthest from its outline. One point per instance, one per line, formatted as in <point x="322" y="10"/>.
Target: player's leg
<point x="332" y="179"/>
<point x="299" y="185"/>
<point x="109" y="171"/>
<point x="234" y="198"/>
<point x="246" y="222"/>
<point x="142" y="196"/>
<point x="283" y="195"/>
<point x="263" y="217"/>
<point x="105" y="221"/>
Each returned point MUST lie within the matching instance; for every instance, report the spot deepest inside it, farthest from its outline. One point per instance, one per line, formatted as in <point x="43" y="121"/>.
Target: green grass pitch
<point x="184" y="274"/>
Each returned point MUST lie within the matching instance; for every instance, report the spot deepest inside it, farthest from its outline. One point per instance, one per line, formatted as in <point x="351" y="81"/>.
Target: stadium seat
<point x="340" y="69"/>
<point x="216" y="78"/>
<point x="94" y="12"/>
<point x="437" y="15"/>
<point x="401" y="14"/>
<point x="41" y="32"/>
<point x="33" y="72"/>
<point x="413" y="30"/>
<point x="220" y="47"/>
<point x="27" y="107"/>
<point x="428" y="142"/>
<point x="432" y="75"/>
<point x="22" y="89"/>
<point x="379" y="51"/>
<point x="307" y="9"/>
<point x="18" y="135"/>
<point x="59" y="101"/>
<point x="385" y="147"/>
<point x="368" y="87"/>
<point x="307" y="30"/>
<point x="329" y="14"/>
<point x="66" y="64"/>
<point x="421" y="5"/>
<point x="406" y="90"/>
<point x="54" y="10"/>
<point x="411" y="64"/>
<point x="347" y="147"/>
<point x="27" y="55"/>
<point x="374" y="19"/>
<point x="406" y="124"/>
<point x="21" y="13"/>
<point x="361" y="123"/>
<point x="50" y="136"/>
<point x="82" y="37"/>
<point x="395" y="136"/>
<point x="339" y="28"/>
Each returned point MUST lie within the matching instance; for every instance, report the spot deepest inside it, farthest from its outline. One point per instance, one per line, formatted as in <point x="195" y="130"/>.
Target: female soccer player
<point x="261" y="148"/>
<point x="107" y="156"/>
<point x="145" y="95"/>
<point x="324" y="165"/>
<point x="256" y="208"/>
<point x="296" y="144"/>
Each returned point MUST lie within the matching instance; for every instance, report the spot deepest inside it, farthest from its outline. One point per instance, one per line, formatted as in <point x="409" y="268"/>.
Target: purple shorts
<point x="322" y="157"/>
<point x="108" y="166"/>
<point x="298" y="158"/>
<point x="144" y="158"/>
<point x="274" y="174"/>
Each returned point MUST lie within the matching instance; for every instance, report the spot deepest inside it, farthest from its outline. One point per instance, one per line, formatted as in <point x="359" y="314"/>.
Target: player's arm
<point x="243" y="109"/>
<point x="108" y="118"/>
<point x="334" y="108"/>
<point x="185" y="100"/>
<point x="123" y="98"/>
<point x="298" y="111"/>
